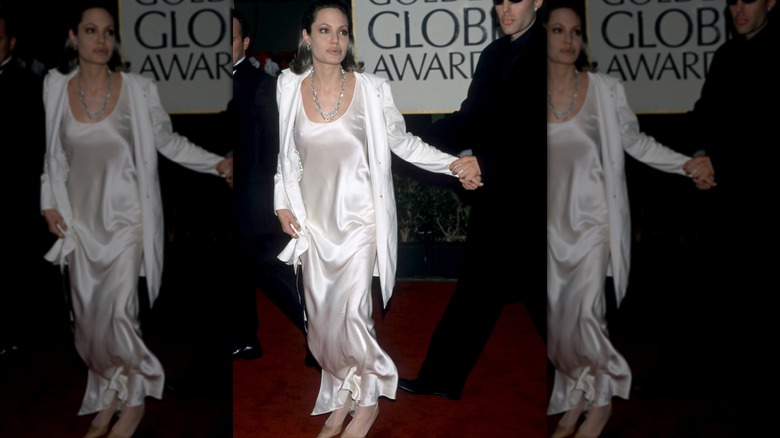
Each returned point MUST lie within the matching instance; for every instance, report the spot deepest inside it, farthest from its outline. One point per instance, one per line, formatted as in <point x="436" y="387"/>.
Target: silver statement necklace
<point x="99" y="113"/>
<point x="330" y="115"/>
<point x="564" y="115"/>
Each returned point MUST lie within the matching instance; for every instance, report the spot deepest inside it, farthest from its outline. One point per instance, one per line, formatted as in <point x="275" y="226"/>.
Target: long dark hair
<point x="582" y="63"/>
<point x="303" y="59"/>
<point x="70" y="56"/>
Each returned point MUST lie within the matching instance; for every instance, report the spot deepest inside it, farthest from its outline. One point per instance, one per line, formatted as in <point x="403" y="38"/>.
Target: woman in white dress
<point x="100" y="195"/>
<point x="590" y="128"/>
<point x="334" y="196"/>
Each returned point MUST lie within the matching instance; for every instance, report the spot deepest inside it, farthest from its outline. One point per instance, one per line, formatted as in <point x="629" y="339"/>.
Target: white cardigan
<point x="385" y="133"/>
<point x="152" y="133"/>
<point x="619" y="132"/>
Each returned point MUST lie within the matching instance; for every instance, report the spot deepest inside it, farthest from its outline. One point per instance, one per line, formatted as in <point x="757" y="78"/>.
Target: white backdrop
<point x="661" y="49"/>
<point x="185" y="46"/>
<point x="428" y="49"/>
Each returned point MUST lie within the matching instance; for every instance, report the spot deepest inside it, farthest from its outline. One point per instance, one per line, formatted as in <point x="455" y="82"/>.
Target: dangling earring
<point x="308" y="47"/>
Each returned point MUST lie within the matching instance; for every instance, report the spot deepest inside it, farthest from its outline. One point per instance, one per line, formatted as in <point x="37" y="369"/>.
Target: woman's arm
<point x="647" y="150"/>
<point x="640" y="145"/>
<point x="409" y="147"/>
<point x="54" y="219"/>
<point x="174" y="146"/>
<point x="281" y="200"/>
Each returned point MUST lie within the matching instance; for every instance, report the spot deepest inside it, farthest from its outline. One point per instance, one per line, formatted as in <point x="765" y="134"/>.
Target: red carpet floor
<point x="504" y="397"/>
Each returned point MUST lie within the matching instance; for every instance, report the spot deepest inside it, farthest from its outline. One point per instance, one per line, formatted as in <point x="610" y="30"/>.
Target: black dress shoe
<point x="420" y="387"/>
<point x="247" y="352"/>
<point x="310" y="361"/>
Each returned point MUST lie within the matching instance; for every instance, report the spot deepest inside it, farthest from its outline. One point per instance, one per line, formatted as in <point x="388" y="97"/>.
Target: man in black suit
<point x="503" y="124"/>
<point x="726" y="309"/>
<point x="254" y="123"/>
<point x="22" y="135"/>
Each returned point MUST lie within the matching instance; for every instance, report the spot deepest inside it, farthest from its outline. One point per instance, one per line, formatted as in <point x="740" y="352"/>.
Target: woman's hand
<point x="704" y="183"/>
<point x="56" y="223"/>
<point x="472" y="184"/>
<point x="468" y="171"/>
<point x="290" y="224"/>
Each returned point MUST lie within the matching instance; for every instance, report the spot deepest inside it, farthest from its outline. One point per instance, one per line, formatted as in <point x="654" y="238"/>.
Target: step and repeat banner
<point x="661" y="49"/>
<point x="185" y="46"/>
<point x="428" y="49"/>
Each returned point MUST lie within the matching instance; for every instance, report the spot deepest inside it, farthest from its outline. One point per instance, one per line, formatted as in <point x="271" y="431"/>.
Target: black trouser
<point x="260" y="268"/>
<point x="487" y="282"/>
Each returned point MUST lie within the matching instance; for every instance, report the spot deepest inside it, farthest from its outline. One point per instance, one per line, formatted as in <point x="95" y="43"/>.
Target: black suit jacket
<point x="504" y="122"/>
<point x="253" y="117"/>
<point x="735" y="122"/>
<point x="503" y="119"/>
<point x="23" y="139"/>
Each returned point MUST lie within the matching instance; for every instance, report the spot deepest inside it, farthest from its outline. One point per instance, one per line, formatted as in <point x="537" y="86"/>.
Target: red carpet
<point x="504" y="397"/>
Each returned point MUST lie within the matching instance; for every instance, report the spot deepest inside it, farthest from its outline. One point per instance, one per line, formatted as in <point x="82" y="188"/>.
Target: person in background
<point x="254" y="121"/>
<point x="728" y="310"/>
<point x="22" y="122"/>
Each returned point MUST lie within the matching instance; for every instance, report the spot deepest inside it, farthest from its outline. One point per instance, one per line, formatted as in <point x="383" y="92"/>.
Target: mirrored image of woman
<point x="590" y="129"/>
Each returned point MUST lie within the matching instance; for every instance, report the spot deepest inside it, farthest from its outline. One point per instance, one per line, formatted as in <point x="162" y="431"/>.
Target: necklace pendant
<point x="99" y="113"/>
<point x="564" y="115"/>
<point x="328" y="116"/>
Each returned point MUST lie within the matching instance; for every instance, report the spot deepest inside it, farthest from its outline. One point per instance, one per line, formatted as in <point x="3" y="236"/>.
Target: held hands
<point x="701" y="170"/>
<point x="225" y="170"/>
<point x="468" y="172"/>
<point x="56" y="223"/>
<point x="290" y="224"/>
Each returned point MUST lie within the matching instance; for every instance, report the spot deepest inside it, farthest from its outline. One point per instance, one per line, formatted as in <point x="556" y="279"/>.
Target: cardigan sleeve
<point x="281" y="200"/>
<point x="409" y="147"/>
<point x="55" y="167"/>
<point x="172" y="145"/>
<point x="640" y="145"/>
<point x="47" y="195"/>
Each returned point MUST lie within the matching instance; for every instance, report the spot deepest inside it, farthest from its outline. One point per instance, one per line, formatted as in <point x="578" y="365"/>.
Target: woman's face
<point x="564" y="36"/>
<point x="329" y="37"/>
<point x="95" y="38"/>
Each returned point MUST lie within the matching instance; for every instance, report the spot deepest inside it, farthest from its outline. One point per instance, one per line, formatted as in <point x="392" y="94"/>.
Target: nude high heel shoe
<point x="331" y="430"/>
<point x="595" y="421"/>
<point x="568" y="423"/>
<point x="356" y="422"/>
<point x="563" y="431"/>
<point x="123" y="428"/>
<point x="98" y="430"/>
